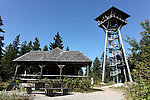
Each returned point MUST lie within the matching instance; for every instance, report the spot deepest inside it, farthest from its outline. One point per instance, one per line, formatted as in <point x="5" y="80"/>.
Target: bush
<point x="138" y="91"/>
<point x="140" y="64"/>
<point x="14" y="96"/>
<point x="76" y="84"/>
<point x="3" y="85"/>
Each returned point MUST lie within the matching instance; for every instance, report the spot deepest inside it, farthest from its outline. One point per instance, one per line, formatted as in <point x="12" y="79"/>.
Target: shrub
<point x="76" y="84"/>
<point x="14" y="96"/>
<point x="138" y="91"/>
<point x="3" y="85"/>
<point x="140" y="63"/>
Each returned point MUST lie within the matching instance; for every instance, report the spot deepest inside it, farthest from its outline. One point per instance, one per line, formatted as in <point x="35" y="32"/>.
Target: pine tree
<point x="24" y="48"/>
<point x="30" y="47"/>
<point x="1" y="39"/>
<point x="7" y="64"/>
<point x="45" y="48"/>
<point x="57" y="42"/>
<point x="67" y="49"/>
<point x="1" y="23"/>
<point x="16" y="46"/>
<point x="36" y="45"/>
<point x="96" y="69"/>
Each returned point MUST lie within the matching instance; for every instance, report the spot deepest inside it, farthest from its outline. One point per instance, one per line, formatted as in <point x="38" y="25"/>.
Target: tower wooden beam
<point x="125" y="56"/>
<point x="104" y="63"/>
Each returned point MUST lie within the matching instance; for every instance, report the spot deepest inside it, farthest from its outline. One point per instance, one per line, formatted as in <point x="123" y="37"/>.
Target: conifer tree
<point x="1" y="39"/>
<point x="16" y="46"/>
<point x="45" y="48"/>
<point x="67" y="49"/>
<point x="36" y="45"/>
<point x="7" y="64"/>
<point x="57" y="42"/>
<point x="1" y="23"/>
<point x="96" y="69"/>
<point x="24" y="48"/>
<point x="29" y="46"/>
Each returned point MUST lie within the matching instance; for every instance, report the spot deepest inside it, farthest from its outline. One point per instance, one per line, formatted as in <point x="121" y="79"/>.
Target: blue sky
<point x="74" y="19"/>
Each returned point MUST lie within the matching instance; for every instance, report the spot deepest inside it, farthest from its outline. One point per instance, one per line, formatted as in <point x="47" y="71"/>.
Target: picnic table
<point x="56" y="86"/>
<point x="48" y="90"/>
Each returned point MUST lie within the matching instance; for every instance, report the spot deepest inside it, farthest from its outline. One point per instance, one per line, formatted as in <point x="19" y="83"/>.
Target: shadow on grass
<point x="96" y="89"/>
<point x="55" y="94"/>
<point x="59" y="94"/>
<point x="38" y="92"/>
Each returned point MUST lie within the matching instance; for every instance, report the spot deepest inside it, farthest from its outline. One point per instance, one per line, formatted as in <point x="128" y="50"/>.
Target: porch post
<point x="60" y="71"/>
<point x="15" y="74"/>
<point x="61" y="67"/>
<point x="87" y="69"/>
<point x="41" y="66"/>
<point x="16" y="69"/>
<point x="25" y="70"/>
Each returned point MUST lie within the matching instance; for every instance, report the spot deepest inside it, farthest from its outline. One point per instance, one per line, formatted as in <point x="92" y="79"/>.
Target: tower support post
<point x="104" y="63"/>
<point x="126" y="61"/>
<point x="125" y="74"/>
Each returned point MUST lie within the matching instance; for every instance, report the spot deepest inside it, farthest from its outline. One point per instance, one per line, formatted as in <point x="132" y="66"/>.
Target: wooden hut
<point x="52" y="64"/>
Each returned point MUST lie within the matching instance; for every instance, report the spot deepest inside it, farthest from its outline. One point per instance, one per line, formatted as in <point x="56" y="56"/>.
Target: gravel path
<point x="106" y="94"/>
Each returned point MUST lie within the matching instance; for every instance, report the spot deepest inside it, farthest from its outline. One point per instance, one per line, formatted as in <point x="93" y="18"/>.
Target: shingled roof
<point x="55" y="55"/>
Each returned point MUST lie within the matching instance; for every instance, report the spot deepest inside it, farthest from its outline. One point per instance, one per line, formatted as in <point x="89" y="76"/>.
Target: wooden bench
<point x="29" y="89"/>
<point x="49" y="91"/>
<point x="30" y="84"/>
<point x="39" y="85"/>
<point x="55" y="86"/>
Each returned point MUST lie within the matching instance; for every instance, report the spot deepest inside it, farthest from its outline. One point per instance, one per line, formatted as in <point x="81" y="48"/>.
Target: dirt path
<point x="106" y="94"/>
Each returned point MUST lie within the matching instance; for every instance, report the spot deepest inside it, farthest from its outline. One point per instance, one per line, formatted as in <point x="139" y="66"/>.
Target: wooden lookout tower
<point x="111" y="21"/>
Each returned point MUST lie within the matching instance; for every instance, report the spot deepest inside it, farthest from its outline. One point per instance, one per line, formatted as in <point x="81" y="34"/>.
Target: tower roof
<point x="123" y="14"/>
